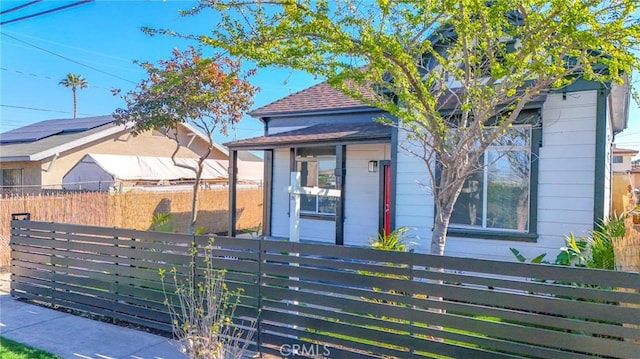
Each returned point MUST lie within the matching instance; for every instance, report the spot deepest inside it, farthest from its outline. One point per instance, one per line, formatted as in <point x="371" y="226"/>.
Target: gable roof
<point x="624" y="151"/>
<point x="48" y="128"/>
<point x="324" y="134"/>
<point x="318" y="98"/>
<point x="44" y="139"/>
<point x="36" y="141"/>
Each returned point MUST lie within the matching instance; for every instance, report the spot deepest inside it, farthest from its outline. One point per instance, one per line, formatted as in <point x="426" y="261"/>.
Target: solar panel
<point x="43" y="129"/>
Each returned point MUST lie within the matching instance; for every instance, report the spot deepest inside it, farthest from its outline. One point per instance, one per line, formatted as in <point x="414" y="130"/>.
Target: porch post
<point x="267" y="187"/>
<point x="341" y="171"/>
<point x="233" y="179"/>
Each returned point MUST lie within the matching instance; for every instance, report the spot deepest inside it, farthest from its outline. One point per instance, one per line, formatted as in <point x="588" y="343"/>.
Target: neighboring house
<point x="624" y="180"/>
<point x="100" y="172"/>
<point x="334" y="142"/>
<point x="38" y="156"/>
<point x="621" y="159"/>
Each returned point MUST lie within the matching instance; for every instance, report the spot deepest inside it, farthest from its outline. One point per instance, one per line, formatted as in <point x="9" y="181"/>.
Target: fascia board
<point x="79" y="142"/>
<point x="15" y="159"/>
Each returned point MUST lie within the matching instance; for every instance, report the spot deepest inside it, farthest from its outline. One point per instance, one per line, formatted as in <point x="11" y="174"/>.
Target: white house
<point x="334" y="143"/>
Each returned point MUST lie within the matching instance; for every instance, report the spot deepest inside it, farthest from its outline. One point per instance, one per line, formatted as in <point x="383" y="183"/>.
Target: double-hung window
<point x="498" y="195"/>
<point x="317" y="167"/>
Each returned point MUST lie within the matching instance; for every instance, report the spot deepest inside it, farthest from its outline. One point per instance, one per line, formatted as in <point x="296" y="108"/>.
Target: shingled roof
<point x="326" y="134"/>
<point x="318" y="98"/>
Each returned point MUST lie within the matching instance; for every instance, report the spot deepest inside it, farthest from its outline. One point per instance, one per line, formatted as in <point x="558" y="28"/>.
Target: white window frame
<point x="317" y="159"/>
<point x="485" y="185"/>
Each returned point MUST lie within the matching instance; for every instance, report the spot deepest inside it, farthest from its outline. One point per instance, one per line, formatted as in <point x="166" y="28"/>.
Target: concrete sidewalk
<point x="74" y="337"/>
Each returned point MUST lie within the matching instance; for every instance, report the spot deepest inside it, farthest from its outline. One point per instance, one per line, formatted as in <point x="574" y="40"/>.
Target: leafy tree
<point x="210" y="94"/>
<point x="75" y="82"/>
<point x="455" y="73"/>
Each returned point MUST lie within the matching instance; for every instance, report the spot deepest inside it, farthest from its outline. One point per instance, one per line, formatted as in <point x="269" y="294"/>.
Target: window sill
<point x="317" y="216"/>
<point x="489" y="234"/>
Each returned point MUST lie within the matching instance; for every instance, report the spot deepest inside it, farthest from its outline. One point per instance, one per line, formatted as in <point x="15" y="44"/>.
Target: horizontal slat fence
<point x="116" y="272"/>
<point x="342" y="302"/>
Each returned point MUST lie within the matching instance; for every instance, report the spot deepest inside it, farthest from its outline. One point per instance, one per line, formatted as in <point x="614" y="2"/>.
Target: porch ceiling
<point x="324" y="134"/>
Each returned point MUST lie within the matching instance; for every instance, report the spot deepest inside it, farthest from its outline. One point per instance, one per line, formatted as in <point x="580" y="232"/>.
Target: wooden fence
<point x="342" y="302"/>
<point x="134" y="210"/>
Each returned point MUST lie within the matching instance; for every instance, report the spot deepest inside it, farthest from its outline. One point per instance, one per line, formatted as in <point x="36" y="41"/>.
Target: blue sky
<point x="99" y="41"/>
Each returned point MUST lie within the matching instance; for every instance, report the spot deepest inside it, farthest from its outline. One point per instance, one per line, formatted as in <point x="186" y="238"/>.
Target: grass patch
<point x="14" y="350"/>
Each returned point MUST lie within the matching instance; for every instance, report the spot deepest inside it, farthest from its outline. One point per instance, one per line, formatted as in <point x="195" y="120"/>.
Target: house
<point x="334" y="142"/>
<point x="38" y="156"/>
<point x="100" y="172"/>
<point x="621" y="159"/>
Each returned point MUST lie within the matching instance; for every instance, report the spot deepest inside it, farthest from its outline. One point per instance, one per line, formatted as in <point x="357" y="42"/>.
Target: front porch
<point x="353" y="159"/>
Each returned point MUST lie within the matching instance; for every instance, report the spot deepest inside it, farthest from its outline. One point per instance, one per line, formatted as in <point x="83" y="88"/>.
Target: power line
<point x="46" y="11"/>
<point x="43" y="109"/>
<point x="31" y="74"/>
<point x="19" y="7"/>
<point x="15" y="33"/>
<point x="67" y="58"/>
<point x="627" y="134"/>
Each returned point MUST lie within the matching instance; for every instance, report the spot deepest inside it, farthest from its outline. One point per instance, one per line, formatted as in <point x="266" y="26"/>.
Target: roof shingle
<point x="320" y="97"/>
<point x="322" y="133"/>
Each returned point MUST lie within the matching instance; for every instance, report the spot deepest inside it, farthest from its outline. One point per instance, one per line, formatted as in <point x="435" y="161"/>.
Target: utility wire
<point x="67" y="58"/>
<point x="19" y="7"/>
<point x="31" y="74"/>
<point x="23" y="35"/>
<point x="46" y="11"/>
<point x="42" y="109"/>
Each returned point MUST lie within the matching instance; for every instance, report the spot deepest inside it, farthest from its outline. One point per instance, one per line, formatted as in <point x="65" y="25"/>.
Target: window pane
<point x="308" y="173"/>
<point x="468" y="207"/>
<point x="516" y="136"/>
<point x="308" y="203"/>
<point x="327" y="204"/>
<point x="327" y="174"/>
<point x="11" y="177"/>
<point x="508" y="190"/>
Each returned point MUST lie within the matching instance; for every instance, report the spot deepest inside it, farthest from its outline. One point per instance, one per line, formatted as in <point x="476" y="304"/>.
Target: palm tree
<point x="74" y="81"/>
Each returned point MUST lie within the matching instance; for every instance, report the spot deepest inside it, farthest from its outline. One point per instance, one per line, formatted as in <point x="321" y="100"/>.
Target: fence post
<point x="413" y="295"/>
<point x="23" y="216"/>
<point x="259" y="293"/>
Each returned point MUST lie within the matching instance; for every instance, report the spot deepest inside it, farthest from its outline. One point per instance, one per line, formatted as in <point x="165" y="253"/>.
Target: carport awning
<point x="154" y="168"/>
<point x="324" y="134"/>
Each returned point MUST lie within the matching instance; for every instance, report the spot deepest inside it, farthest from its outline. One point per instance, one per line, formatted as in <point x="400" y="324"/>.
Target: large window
<point x="497" y="195"/>
<point x="317" y="167"/>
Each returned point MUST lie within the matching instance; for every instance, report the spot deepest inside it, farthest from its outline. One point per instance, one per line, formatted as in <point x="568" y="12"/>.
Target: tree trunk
<point x="194" y="199"/>
<point x="75" y="103"/>
<point x="439" y="234"/>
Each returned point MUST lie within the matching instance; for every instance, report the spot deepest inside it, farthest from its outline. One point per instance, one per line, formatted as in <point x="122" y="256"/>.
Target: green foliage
<point x="202" y="310"/>
<point x="10" y="349"/>
<point x="592" y="251"/>
<point x="394" y="241"/>
<point x="573" y="253"/>
<point x="163" y="222"/>
<point x="208" y="94"/>
<point x="522" y="259"/>
<point x="501" y="53"/>
<point x="74" y="82"/>
<point x="200" y="230"/>
<point x="601" y="241"/>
